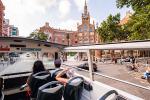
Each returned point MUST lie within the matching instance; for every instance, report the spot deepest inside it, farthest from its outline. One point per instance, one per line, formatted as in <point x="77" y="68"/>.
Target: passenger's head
<point x="38" y="67"/>
<point x="57" y="63"/>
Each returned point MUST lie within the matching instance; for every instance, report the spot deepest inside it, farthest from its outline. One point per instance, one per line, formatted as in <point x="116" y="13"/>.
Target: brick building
<point x="9" y="30"/>
<point x="86" y="31"/>
<point x="2" y="8"/>
<point x="59" y="36"/>
<point x="85" y="34"/>
<point x="126" y="18"/>
<point x="6" y="27"/>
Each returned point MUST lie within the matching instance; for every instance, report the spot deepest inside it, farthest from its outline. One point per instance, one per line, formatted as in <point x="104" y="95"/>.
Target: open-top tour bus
<point x="82" y="87"/>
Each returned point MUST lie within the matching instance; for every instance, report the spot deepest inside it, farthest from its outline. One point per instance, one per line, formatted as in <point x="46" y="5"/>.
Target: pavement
<point x="120" y="72"/>
<point x="24" y="64"/>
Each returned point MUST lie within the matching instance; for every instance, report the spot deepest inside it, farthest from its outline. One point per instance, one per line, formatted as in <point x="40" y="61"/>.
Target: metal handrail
<point x="20" y="73"/>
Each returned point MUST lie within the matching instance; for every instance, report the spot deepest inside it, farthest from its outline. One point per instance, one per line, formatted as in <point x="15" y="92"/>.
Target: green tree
<point x="110" y="30"/>
<point x="38" y="35"/>
<point x="134" y="4"/>
<point x="139" y="22"/>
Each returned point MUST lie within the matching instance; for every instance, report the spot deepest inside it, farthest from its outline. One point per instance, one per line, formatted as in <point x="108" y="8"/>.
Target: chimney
<point x="47" y="24"/>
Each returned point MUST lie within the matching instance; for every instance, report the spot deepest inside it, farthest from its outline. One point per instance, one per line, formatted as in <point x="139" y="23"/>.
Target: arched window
<point x="85" y="27"/>
<point x="91" y="30"/>
<point x="80" y="30"/>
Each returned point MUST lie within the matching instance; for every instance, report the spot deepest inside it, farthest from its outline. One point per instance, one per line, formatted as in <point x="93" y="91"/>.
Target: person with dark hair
<point x="57" y="63"/>
<point x="38" y="66"/>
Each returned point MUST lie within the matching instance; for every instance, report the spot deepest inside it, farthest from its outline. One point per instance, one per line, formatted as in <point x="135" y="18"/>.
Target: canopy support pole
<point x="90" y="63"/>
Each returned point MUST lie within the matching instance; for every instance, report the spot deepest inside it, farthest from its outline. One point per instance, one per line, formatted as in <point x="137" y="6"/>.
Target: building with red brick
<point x="2" y="8"/>
<point x="126" y="18"/>
<point x="6" y="27"/>
<point x="60" y="36"/>
<point x="86" y="31"/>
<point x="85" y="34"/>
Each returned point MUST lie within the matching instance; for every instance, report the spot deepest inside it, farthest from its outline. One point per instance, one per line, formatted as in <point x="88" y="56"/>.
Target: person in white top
<point x="147" y="72"/>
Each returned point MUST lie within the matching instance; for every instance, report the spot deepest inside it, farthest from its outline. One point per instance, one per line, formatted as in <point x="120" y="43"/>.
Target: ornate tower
<point x="86" y="31"/>
<point x="85" y="14"/>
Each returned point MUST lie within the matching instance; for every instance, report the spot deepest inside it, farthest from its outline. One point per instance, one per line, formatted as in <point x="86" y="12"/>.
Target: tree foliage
<point x="139" y="23"/>
<point x="134" y="4"/>
<point x="110" y="30"/>
<point x="38" y="35"/>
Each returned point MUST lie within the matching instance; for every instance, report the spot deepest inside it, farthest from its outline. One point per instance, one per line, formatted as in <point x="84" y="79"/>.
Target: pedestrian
<point x="2" y="60"/>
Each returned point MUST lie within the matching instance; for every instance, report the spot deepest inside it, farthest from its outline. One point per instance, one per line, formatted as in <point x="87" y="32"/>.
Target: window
<point x="80" y="30"/>
<point x="91" y="30"/>
<point x="85" y="27"/>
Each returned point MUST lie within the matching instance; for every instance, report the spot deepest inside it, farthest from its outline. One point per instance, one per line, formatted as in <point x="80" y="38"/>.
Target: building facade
<point x="6" y="27"/>
<point x="65" y="37"/>
<point x="2" y="8"/>
<point x="85" y="34"/>
<point x="86" y="31"/>
<point x="126" y="18"/>
<point x="13" y="31"/>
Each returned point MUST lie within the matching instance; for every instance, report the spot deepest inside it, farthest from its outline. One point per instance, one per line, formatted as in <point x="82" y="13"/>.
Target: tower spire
<point x="85" y="8"/>
<point x="85" y="3"/>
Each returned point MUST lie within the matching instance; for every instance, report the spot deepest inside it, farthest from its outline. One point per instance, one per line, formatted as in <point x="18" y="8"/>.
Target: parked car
<point x="86" y="67"/>
<point x="127" y="59"/>
<point x="28" y="55"/>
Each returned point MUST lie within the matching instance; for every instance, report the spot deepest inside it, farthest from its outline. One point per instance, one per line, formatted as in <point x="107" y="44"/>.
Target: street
<point x="120" y="72"/>
<point x="23" y="64"/>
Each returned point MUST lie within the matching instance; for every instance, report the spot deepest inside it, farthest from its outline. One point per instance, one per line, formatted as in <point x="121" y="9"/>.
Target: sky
<point x="29" y="15"/>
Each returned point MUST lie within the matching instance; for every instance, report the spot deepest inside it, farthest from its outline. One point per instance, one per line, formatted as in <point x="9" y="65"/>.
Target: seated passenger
<point x="37" y="67"/>
<point x="60" y="77"/>
<point x="146" y="73"/>
<point x="135" y="66"/>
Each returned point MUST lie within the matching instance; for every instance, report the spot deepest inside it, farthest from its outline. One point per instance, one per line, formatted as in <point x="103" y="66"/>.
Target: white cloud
<point x="64" y="8"/>
<point x="27" y="14"/>
<point x="80" y="4"/>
